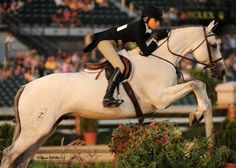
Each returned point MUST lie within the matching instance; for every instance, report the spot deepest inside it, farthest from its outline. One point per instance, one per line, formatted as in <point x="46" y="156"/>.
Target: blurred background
<point x="40" y="37"/>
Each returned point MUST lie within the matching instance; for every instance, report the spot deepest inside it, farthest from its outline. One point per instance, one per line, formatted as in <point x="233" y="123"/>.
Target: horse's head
<point x="208" y="53"/>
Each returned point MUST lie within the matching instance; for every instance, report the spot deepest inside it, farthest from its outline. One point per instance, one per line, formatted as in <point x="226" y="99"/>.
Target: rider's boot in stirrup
<point x="108" y="100"/>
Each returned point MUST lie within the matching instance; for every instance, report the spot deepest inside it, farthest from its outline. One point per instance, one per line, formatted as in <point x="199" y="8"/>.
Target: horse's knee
<point x="197" y="84"/>
<point x="202" y="84"/>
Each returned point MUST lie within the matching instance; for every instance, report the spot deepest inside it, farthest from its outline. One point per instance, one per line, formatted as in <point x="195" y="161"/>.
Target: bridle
<point x="212" y="63"/>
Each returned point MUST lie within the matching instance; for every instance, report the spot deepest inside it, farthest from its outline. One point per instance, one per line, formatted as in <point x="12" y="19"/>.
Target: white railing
<point x="6" y="115"/>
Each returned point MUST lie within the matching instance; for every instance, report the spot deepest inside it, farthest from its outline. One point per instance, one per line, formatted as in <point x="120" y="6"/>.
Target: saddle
<point x="126" y="75"/>
<point x="109" y="68"/>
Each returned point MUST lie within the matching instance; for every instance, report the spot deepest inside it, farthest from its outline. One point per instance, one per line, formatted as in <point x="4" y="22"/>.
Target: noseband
<point x="212" y="63"/>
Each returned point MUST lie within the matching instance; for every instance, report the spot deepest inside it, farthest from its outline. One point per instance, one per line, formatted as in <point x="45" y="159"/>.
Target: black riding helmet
<point x="151" y="11"/>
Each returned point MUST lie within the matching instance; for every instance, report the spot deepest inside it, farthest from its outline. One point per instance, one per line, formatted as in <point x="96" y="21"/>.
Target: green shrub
<point x="197" y="131"/>
<point x="42" y="165"/>
<point x="222" y="155"/>
<point x="6" y="134"/>
<point x="133" y="137"/>
<point x="161" y="145"/>
<point x="227" y="134"/>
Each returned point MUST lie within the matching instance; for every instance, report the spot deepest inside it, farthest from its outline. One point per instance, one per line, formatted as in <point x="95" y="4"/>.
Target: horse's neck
<point x="180" y="42"/>
<point x="154" y="70"/>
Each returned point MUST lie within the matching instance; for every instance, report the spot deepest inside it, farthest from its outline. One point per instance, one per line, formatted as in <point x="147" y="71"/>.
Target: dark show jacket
<point x="132" y="32"/>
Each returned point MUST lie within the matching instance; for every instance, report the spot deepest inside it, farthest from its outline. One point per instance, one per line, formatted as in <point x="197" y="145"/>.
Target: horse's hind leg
<point x="23" y="160"/>
<point x="26" y="144"/>
<point x="11" y="153"/>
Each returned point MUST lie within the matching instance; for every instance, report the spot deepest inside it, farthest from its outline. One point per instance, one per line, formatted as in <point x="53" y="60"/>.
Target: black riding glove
<point x="154" y="47"/>
<point x="161" y="34"/>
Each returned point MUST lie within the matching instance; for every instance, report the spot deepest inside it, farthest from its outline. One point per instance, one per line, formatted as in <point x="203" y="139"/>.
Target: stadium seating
<point x="163" y="4"/>
<point x="40" y="12"/>
<point x="104" y="16"/>
<point x="37" y="12"/>
<point x="8" y="89"/>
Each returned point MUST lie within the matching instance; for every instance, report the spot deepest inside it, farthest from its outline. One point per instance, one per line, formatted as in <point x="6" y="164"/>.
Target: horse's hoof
<point x="192" y="119"/>
<point x="200" y="119"/>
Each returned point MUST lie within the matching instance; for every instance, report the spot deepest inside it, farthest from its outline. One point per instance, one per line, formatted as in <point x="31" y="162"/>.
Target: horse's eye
<point x="214" y="46"/>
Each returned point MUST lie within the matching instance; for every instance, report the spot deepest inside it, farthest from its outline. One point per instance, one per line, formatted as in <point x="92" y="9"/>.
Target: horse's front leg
<point x="171" y="94"/>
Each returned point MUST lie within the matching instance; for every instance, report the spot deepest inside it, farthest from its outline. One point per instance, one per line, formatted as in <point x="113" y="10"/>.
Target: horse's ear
<point x="212" y="26"/>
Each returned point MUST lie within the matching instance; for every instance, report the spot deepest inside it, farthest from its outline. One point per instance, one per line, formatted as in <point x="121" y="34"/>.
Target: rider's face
<point x="153" y="23"/>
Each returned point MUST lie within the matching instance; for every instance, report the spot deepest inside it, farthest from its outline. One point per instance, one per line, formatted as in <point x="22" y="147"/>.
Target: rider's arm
<point x="146" y="50"/>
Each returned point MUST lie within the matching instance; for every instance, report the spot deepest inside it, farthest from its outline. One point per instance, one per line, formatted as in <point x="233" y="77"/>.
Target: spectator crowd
<point x="32" y="64"/>
<point x="10" y="6"/>
<point x="67" y="12"/>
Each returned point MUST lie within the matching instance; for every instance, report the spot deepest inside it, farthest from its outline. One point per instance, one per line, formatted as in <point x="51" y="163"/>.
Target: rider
<point x="136" y="31"/>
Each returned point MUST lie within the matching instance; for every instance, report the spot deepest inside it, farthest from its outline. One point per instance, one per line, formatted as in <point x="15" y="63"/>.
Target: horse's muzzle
<point x="218" y="72"/>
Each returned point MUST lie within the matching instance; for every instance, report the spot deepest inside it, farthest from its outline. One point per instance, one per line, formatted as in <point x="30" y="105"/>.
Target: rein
<point x="211" y="64"/>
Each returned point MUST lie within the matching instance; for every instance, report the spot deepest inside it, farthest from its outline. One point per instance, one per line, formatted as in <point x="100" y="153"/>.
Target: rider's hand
<point x="161" y="34"/>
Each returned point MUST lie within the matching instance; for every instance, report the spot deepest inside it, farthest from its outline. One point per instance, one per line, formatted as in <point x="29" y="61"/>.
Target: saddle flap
<point x="128" y="67"/>
<point x="97" y="66"/>
<point x="108" y="67"/>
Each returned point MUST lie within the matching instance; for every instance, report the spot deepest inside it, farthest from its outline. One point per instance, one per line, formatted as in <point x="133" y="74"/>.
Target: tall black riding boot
<point x="108" y="100"/>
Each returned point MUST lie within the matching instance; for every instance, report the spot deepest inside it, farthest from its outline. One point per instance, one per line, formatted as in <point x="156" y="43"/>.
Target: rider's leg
<point x="107" y="49"/>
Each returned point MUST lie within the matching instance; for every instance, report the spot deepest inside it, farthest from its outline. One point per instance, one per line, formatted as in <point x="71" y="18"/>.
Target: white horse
<point x="40" y="104"/>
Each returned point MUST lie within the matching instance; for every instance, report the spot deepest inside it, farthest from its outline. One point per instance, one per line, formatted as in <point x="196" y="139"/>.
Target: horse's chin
<point x="219" y="75"/>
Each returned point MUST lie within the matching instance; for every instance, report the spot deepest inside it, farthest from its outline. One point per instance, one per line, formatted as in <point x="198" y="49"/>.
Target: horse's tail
<point x="16" y="111"/>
